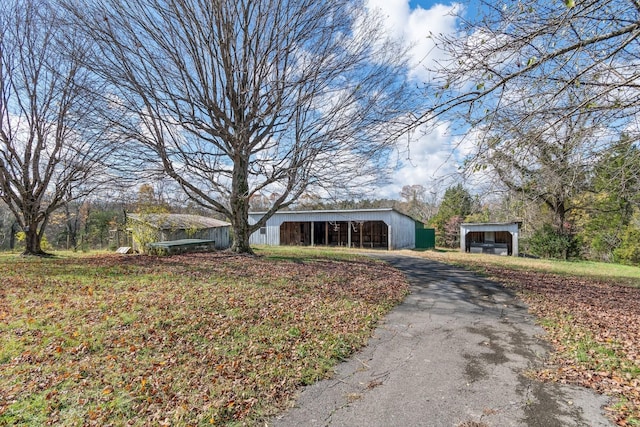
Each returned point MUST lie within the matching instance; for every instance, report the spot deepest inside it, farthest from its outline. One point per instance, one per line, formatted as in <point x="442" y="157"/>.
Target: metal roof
<point x="334" y="211"/>
<point x="178" y="221"/>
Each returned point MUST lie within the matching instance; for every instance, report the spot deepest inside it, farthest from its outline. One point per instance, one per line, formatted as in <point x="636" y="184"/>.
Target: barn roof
<point x="178" y="221"/>
<point x="334" y="211"/>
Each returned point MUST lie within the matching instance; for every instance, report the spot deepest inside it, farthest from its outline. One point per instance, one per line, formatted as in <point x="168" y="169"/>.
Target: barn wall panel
<point x="401" y="227"/>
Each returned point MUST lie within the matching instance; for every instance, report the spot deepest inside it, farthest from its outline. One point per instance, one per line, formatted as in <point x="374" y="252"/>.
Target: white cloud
<point x="415" y="27"/>
<point x="394" y="13"/>
<point x="425" y="158"/>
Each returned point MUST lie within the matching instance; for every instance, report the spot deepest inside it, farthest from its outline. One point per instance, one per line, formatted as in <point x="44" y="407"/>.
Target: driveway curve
<point x="454" y="353"/>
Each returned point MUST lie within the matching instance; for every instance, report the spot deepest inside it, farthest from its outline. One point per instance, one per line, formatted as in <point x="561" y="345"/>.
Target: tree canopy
<point x="239" y="98"/>
<point x="531" y="53"/>
<point x="456" y="204"/>
<point x="53" y="144"/>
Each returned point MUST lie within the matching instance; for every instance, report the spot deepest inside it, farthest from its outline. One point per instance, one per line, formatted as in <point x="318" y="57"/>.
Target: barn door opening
<point x="295" y="234"/>
<point x="366" y="234"/>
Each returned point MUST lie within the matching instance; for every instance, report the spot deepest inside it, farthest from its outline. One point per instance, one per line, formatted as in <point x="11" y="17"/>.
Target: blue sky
<point x="425" y="4"/>
<point x="427" y="159"/>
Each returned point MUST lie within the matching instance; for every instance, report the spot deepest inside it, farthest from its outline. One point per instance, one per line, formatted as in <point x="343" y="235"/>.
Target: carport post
<point x="389" y="240"/>
<point x="312" y="237"/>
<point x="326" y="233"/>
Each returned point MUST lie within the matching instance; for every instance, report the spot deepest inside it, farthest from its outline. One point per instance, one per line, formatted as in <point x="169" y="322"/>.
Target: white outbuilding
<point x="499" y="238"/>
<point x="359" y="228"/>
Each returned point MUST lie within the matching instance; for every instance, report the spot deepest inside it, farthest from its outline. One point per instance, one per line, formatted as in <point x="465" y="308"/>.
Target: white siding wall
<point x="403" y="231"/>
<point x="272" y="235"/>
<point x="401" y="227"/>
<point x="221" y="237"/>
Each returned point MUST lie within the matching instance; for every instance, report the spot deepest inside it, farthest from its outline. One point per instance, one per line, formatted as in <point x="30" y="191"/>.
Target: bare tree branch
<point x="244" y="97"/>
<point x="542" y="48"/>
<point x="51" y="140"/>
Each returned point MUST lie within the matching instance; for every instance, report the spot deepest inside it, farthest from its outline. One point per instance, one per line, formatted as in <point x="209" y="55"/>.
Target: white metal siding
<point x="272" y="236"/>
<point x="401" y="227"/>
<point x="221" y="236"/>
<point x="403" y="233"/>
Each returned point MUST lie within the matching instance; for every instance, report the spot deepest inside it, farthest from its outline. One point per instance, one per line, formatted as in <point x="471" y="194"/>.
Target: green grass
<point x="624" y="274"/>
<point x="196" y="339"/>
<point x="307" y="253"/>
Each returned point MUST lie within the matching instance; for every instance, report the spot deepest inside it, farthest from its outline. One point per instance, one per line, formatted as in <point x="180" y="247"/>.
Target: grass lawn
<point x="198" y="339"/>
<point x="591" y="312"/>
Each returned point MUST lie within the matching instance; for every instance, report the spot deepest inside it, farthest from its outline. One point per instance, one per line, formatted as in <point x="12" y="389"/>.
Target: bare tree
<point x="236" y="99"/>
<point x="512" y="53"/>
<point x="544" y="157"/>
<point x="415" y="202"/>
<point x="50" y="144"/>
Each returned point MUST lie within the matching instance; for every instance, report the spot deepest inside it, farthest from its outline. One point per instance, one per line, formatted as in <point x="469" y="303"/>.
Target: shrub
<point x="21" y="236"/>
<point x="547" y="242"/>
<point x="629" y="250"/>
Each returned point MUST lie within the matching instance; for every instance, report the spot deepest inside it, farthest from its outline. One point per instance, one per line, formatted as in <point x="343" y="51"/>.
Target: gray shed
<point x="362" y="228"/>
<point x="148" y="228"/>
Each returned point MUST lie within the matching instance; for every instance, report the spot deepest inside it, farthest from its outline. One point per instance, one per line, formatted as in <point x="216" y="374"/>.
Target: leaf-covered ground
<point x="594" y="326"/>
<point x="196" y="339"/>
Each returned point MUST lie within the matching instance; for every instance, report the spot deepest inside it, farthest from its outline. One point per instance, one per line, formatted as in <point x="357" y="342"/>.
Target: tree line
<point x="598" y="224"/>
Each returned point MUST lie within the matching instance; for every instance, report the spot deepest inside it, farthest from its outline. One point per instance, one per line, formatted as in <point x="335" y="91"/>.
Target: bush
<point x="451" y="235"/>
<point x="155" y="250"/>
<point x="629" y="250"/>
<point x="549" y="243"/>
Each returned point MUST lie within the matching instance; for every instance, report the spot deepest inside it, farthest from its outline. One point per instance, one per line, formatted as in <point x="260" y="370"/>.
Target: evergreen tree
<point x="456" y="204"/>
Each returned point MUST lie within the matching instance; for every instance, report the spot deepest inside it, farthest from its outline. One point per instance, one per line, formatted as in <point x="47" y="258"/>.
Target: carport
<point x="383" y="228"/>
<point x="499" y="238"/>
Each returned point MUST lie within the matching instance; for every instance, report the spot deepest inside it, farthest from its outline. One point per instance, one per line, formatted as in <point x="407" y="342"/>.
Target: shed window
<point x="263" y="230"/>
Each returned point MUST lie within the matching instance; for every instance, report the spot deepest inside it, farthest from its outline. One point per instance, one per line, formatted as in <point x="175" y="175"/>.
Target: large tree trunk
<point x="241" y="234"/>
<point x="33" y="241"/>
<point x="240" y="207"/>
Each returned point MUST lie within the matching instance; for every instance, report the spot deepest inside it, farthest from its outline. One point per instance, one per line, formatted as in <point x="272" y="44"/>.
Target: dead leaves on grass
<point x="178" y="340"/>
<point x="595" y="328"/>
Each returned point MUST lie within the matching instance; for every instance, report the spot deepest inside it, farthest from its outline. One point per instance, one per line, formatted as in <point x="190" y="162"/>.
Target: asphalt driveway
<point x="454" y="353"/>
